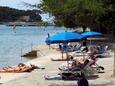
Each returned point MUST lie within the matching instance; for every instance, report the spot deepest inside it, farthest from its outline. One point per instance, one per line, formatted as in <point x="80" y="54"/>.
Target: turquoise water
<point x="12" y="41"/>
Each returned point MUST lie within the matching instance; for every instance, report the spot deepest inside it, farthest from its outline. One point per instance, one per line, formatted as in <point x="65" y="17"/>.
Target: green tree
<point x="86" y="13"/>
<point x="45" y="24"/>
<point x="74" y="13"/>
<point x="107" y="21"/>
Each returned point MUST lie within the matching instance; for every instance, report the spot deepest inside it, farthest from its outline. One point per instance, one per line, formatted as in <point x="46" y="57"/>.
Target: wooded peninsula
<point x="13" y="15"/>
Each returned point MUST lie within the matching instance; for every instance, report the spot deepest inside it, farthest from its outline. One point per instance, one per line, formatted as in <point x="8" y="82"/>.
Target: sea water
<point x="13" y="41"/>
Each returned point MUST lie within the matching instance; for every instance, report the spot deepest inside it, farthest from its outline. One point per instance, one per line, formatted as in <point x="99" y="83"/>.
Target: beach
<point x="57" y="43"/>
<point x="36" y="77"/>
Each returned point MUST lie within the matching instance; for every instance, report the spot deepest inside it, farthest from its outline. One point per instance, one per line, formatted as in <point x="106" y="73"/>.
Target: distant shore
<point x="23" y="24"/>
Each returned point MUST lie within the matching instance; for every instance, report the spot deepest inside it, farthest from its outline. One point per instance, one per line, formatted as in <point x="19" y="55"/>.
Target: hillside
<point x="10" y="15"/>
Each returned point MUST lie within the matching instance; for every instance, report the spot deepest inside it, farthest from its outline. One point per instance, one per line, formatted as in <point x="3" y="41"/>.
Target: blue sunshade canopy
<point x="65" y="37"/>
<point x="91" y="34"/>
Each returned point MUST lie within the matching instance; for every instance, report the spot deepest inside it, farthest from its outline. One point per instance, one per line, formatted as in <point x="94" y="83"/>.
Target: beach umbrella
<point x="91" y="34"/>
<point x="64" y="37"/>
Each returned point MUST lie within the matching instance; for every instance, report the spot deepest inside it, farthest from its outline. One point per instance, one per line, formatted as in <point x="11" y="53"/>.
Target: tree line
<point x="10" y="15"/>
<point x="99" y="15"/>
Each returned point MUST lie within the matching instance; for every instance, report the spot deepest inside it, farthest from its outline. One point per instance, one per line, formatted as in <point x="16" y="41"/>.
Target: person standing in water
<point x="47" y="38"/>
<point x="14" y="27"/>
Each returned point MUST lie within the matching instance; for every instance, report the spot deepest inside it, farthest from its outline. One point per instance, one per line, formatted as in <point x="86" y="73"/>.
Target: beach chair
<point x="104" y="51"/>
<point x="72" y="48"/>
<point x="95" y="66"/>
<point x="83" y="51"/>
<point x="69" y="74"/>
<point x="77" y="47"/>
<point x="93" y="58"/>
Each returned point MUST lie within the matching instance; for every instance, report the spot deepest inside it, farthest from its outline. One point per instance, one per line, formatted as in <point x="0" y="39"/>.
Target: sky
<point x="18" y="4"/>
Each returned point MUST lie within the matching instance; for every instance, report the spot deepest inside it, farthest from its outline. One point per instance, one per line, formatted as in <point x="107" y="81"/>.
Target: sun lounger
<point x="65" y="74"/>
<point x="103" y="51"/>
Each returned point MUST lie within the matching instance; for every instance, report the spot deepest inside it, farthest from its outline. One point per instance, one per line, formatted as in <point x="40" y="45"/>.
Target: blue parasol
<point x="91" y="34"/>
<point x="64" y="37"/>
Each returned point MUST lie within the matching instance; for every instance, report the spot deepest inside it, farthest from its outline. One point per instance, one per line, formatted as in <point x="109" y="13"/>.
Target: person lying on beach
<point x="75" y="64"/>
<point x="72" y="71"/>
<point x="64" y="59"/>
<point x="47" y="77"/>
<point x="20" y="68"/>
<point x="10" y="69"/>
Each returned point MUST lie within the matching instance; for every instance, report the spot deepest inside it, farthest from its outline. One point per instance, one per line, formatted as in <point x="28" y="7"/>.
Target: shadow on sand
<point x="92" y="77"/>
<point x="106" y="84"/>
<point x="70" y="79"/>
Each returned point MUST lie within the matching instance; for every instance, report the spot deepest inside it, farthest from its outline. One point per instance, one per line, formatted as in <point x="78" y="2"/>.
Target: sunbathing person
<point x="10" y="69"/>
<point x="74" y="64"/>
<point x="20" y="68"/>
<point x="26" y="68"/>
<point x="64" y="59"/>
<point x="73" y="71"/>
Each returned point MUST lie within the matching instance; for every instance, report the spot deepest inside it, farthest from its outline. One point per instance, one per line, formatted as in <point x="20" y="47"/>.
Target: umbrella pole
<point x="67" y="57"/>
<point x="62" y="55"/>
<point x="90" y="42"/>
<point x="67" y="60"/>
